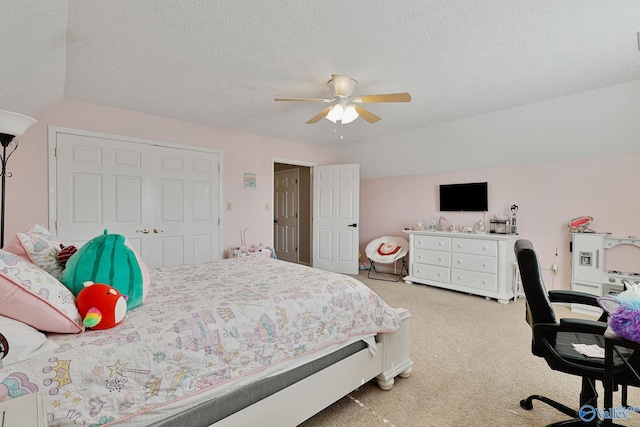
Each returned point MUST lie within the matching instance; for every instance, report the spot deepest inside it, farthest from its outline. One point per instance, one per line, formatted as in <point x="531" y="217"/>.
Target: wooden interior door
<point x="286" y="222"/>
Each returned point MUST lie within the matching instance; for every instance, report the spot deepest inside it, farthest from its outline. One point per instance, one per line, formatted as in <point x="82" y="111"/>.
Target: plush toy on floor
<point x="101" y="306"/>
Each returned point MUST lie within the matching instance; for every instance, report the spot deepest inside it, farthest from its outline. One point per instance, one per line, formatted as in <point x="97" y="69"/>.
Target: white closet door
<point x="100" y="185"/>
<point x="186" y="204"/>
<point x="165" y="200"/>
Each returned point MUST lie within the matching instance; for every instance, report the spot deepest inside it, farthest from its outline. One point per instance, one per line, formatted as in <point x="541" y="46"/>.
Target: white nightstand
<point x="25" y="411"/>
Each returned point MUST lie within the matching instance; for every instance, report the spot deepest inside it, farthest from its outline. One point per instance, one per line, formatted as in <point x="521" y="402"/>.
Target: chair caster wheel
<point x="526" y="404"/>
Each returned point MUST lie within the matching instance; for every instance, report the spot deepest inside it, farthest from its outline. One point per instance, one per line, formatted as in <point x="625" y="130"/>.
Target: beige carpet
<point x="473" y="365"/>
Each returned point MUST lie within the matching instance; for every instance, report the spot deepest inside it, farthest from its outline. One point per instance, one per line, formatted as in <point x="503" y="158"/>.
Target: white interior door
<point x="336" y="217"/>
<point x="165" y="200"/>
<point x="184" y="222"/>
<point x="100" y="185"/>
<point x="286" y="221"/>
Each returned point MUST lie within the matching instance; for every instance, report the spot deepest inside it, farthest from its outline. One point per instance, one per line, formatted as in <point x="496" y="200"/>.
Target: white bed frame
<point x="302" y="400"/>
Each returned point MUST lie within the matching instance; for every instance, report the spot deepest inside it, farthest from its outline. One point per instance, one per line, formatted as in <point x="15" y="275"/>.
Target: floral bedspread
<point x="201" y="327"/>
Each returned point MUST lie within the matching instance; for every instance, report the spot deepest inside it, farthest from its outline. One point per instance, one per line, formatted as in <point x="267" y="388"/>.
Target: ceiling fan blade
<point x="303" y="99"/>
<point x="321" y="115"/>
<point x="390" y="97"/>
<point x="366" y="114"/>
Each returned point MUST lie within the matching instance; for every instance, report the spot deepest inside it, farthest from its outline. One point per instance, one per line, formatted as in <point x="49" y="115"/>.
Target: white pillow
<point x="23" y="341"/>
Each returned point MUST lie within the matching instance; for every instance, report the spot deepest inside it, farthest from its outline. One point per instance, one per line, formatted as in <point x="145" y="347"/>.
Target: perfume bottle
<point x="514" y="226"/>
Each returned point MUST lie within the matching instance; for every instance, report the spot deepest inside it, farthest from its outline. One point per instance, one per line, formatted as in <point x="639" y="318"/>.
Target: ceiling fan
<point x="346" y="108"/>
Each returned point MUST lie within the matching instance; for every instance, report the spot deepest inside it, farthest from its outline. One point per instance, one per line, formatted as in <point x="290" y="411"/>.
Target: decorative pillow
<point x="22" y="342"/>
<point x="38" y="246"/>
<point x="110" y="260"/>
<point x="33" y="296"/>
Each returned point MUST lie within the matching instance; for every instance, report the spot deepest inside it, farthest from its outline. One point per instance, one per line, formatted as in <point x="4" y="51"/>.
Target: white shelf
<point x="611" y="241"/>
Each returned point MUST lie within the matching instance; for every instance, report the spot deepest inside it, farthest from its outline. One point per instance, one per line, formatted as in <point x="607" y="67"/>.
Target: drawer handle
<point x="459" y="277"/>
<point x="484" y="248"/>
<point x="459" y="261"/>
<point x="440" y="259"/>
<point x="459" y="245"/>
<point x="439" y="274"/>
<point x="484" y="282"/>
<point x="419" y="256"/>
<point x="440" y="243"/>
<point x="484" y="264"/>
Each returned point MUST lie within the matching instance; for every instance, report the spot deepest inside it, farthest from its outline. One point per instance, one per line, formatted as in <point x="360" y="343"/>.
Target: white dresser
<point x="479" y="264"/>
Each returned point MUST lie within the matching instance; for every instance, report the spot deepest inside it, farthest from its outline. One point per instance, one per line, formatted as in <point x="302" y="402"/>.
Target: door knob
<point x="352" y="225"/>
<point x="144" y="231"/>
<point x="158" y="230"/>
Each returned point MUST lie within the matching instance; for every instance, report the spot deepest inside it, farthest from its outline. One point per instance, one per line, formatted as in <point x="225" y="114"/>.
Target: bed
<point x="242" y="341"/>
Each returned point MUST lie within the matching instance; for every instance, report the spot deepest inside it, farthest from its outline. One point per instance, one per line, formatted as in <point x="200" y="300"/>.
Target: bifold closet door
<point x="165" y="200"/>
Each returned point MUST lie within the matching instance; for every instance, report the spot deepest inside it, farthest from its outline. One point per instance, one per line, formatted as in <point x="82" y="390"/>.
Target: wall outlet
<point x="554" y="269"/>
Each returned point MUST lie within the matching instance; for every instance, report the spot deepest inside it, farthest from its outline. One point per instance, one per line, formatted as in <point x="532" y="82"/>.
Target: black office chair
<point x="553" y="340"/>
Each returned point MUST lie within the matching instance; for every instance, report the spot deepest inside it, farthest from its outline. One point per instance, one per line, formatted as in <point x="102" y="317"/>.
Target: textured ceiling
<point x="221" y="63"/>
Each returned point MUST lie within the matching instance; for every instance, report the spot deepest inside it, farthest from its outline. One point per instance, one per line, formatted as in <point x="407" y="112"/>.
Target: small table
<point x="612" y="340"/>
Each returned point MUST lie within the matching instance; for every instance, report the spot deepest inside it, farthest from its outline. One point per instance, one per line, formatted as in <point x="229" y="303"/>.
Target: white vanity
<point x="480" y="264"/>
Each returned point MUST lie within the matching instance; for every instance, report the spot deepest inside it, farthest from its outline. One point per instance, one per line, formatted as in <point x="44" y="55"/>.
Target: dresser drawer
<point x="475" y="246"/>
<point x="431" y="272"/>
<point x="482" y="264"/>
<point x="436" y="243"/>
<point x="473" y="279"/>
<point x="424" y="256"/>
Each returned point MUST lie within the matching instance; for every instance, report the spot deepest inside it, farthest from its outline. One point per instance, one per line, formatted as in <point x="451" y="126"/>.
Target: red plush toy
<point x="101" y="306"/>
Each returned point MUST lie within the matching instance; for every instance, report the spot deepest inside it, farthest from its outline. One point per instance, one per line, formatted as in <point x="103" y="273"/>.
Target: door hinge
<point x="296" y="214"/>
<point x="55" y="152"/>
<point x="218" y="221"/>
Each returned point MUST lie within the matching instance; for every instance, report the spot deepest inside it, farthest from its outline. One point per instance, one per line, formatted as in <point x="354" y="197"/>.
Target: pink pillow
<point x="33" y="296"/>
<point x="38" y="246"/>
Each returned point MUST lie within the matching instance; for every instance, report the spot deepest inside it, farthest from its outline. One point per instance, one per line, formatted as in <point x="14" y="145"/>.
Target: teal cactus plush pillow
<point x="108" y="259"/>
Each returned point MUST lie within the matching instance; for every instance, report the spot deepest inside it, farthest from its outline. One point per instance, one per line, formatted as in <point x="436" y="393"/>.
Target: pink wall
<point x="548" y="196"/>
<point x="27" y="190"/>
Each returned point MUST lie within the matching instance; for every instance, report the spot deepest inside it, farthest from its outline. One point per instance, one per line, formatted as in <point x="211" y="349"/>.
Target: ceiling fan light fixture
<point x="336" y="113"/>
<point x="343" y="107"/>
<point x="350" y="114"/>
<point x="343" y="112"/>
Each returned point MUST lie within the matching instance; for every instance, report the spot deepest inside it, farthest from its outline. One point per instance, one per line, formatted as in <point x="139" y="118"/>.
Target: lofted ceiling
<point x="221" y="63"/>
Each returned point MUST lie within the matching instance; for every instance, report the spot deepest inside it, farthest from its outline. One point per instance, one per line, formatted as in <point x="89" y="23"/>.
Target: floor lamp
<point x="11" y="125"/>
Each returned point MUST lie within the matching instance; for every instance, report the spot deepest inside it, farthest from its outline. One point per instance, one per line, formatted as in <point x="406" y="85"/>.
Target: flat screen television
<point x="469" y="197"/>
